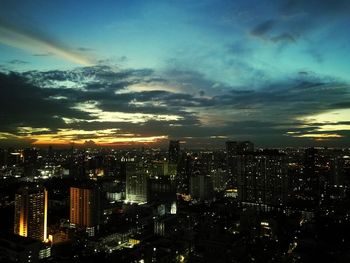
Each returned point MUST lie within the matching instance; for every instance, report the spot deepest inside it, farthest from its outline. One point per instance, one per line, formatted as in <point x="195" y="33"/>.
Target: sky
<point x="116" y="73"/>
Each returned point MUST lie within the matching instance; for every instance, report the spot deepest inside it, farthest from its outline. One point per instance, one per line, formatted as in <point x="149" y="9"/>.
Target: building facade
<point x="85" y="210"/>
<point x="31" y="212"/>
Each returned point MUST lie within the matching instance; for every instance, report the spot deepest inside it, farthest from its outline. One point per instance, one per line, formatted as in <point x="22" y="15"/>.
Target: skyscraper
<point x="311" y="177"/>
<point x="136" y="183"/>
<point x="31" y="212"/>
<point x="262" y="179"/>
<point x="201" y="187"/>
<point x="174" y="151"/>
<point x="233" y="150"/>
<point x="85" y="207"/>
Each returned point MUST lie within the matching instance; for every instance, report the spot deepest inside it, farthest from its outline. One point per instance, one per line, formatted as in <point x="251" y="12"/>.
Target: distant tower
<point x="85" y="207"/>
<point x="174" y="151"/>
<point x="31" y="212"/>
<point x="231" y="161"/>
<point x="312" y="173"/>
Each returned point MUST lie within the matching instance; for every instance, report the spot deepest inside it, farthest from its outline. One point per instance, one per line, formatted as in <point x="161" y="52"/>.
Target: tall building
<point x="262" y="179"/>
<point x="136" y="182"/>
<point x="85" y="207"/>
<point x="201" y="187"/>
<point x="163" y="169"/>
<point x="184" y="170"/>
<point x="311" y="176"/>
<point x="174" y="151"/>
<point x="233" y="150"/>
<point x="31" y="212"/>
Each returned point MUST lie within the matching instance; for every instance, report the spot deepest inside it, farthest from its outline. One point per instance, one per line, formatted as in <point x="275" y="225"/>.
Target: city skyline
<point x="130" y="73"/>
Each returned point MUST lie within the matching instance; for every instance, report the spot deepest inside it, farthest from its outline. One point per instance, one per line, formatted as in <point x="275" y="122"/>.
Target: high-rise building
<point x="184" y="171"/>
<point x="201" y="187"/>
<point x="245" y="147"/>
<point x="220" y="179"/>
<point x="233" y="150"/>
<point x="161" y="189"/>
<point x="262" y="178"/>
<point x="85" y="207"/>
<point x="31" y="212"/>
<point x="163" y="169"/>
<point x="340" y="170"/>
<point x="311" y="176"/>
<point x="174" y="151"/>
<point x="136" y="182"/>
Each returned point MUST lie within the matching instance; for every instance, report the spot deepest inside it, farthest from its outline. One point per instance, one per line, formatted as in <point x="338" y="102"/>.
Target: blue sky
<point x="276" y="72"/>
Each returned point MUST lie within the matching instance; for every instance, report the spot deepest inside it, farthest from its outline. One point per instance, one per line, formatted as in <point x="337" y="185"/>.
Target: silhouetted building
<point x="201" y="187"/>
<point x="340" y="171"/>
<point x="174" y="151"/>
<point x="233" y="150"/>
<point x="311" y="176"/>
<point x="184" y="172"/>
<point x="3" y="159"/>
<point x="162" y="189"/>
<point x="31" y="212"/>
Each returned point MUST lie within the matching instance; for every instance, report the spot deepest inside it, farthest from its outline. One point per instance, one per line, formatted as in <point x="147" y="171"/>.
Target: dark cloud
<point x="263" y="28"/>
<point x="271" y="30"/>
<point x="298" y="97"/>
<point x="23" y="104"/>
<point x="85" y="49"/>
<point x="299" y="18"/>
<point x="17" y="62"/>
<point x="43" y="54"/>
<point x="316" y="7"/>
<point x="264" y="114"/>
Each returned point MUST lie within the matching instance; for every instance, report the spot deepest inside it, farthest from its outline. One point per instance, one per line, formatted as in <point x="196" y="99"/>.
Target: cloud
<point x="295" y="18"/>
<point x="31" y="40"/>
<point x="263" y="28"/>
<point x="96" y="103"/>
<point x="23" y="104"/>
<point x="43" y="54"/>
<point x="317" y="8"/>
<point x="17" y="62"/>
<point x="270" y="30"/>
<point x="85" y="49"/>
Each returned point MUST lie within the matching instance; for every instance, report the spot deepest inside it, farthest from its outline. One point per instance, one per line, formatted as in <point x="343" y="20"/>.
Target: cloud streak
<point x="17" y="37"/>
